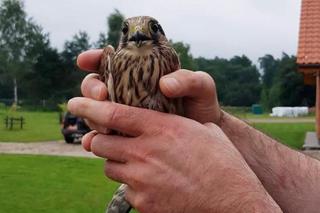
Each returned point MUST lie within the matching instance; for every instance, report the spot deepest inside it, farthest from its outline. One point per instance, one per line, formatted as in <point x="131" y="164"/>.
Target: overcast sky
<point x="222" y="28"/>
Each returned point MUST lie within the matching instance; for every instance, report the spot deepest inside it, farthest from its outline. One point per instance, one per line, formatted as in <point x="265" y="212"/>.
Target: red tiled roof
<point x="309" y="36"/>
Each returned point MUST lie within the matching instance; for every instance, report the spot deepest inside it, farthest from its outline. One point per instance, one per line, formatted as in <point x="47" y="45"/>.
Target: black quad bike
<point x="73" y="128"/>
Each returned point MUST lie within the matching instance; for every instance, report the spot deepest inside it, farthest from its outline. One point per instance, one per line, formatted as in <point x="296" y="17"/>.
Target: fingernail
<point x="70" y="105"/>
<point x="171" y="83"/>
<point x="96" y="92"/>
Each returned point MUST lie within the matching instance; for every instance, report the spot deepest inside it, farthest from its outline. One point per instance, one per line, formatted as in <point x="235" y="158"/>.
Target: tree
<point x="72" y="78"/>
<point x="102" y="41"/>
<point x="19" y="38"/>
<point x="114" y="26"/>
<point x="269" y="65"/>
<point x="290" y="82"/>
<point x="115" y="21"/>
<point x="282" y="83"/>
<point x="242" y="84"/>
<point x="45" y="81"/>
<point x="185" y="56"/>
<point x="237" y="79"/>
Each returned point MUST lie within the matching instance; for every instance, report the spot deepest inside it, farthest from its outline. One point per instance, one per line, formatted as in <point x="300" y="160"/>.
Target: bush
<point x="2" y="106"/>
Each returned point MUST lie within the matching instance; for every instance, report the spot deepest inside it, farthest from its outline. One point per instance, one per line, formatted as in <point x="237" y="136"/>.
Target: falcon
<point x="132" y="75"/>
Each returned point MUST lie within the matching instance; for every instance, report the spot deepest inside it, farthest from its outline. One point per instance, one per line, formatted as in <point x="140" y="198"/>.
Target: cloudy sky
<point x="222" y="28"/>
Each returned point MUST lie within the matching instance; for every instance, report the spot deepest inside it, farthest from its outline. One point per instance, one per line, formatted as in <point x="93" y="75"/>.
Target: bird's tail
<point x="118" y="204"/>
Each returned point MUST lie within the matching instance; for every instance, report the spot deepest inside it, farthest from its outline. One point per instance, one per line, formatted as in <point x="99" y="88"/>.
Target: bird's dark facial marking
<point x="155" y="27"/>
<point x="155" y="30"/>
<point x="125" y="29"/>
<point x="138" y="37"/>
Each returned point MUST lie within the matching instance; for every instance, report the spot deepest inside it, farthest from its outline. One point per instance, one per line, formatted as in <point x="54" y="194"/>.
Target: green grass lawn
<point x="65" y="184"/>
<point x="40" y="126"/>
<point x="53" y="184"/>
<point x="291" y="134"/>
<point x="245" y="113"/>
<point x="44" y="126"/>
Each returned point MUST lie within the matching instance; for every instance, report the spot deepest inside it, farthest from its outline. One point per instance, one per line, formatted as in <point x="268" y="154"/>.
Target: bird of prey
<point x="132" y="75"/>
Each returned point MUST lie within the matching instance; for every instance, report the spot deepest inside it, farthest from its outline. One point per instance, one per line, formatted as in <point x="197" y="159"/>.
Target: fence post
<point x="11" y="123"/>
<point x="7" y="121"/>
<point x="21" y="122"/>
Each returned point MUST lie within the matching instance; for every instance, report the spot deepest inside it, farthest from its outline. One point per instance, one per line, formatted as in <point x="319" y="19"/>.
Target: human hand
<point x="172" y="164"/>
<point x="197" y="88"/>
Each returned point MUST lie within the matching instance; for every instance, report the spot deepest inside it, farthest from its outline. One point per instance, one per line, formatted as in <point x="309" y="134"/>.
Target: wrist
<point x="239" y="191"/>
<point x="249" y="200"/>
<point x="260" y="203"/>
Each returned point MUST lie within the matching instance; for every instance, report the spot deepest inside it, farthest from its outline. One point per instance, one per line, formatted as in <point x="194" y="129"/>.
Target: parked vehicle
<point x="73" y="128"/>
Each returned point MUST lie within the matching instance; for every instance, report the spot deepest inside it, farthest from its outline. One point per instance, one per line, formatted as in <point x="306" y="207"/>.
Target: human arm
<point x="291" y="178"/>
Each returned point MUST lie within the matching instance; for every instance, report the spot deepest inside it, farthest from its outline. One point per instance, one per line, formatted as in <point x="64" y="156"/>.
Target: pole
<point x="318" y="106"/>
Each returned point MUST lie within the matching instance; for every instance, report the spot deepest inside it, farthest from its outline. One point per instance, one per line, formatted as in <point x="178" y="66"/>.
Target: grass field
<point x="245" y="113"/>
<point x="53" y="184"/>
<point x="60" y="184"/>
<point x="44" y="126"/>
<point x="40" y="126"/>
<point x="291" y="134"/>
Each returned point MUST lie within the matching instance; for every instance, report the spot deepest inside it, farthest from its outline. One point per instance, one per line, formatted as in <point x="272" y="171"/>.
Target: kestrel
<point x="132" y="75"/>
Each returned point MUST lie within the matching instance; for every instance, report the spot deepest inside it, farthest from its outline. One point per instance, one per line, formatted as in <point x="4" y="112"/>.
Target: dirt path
<point x="279" y="120"/>
<point x="58" y="148"/>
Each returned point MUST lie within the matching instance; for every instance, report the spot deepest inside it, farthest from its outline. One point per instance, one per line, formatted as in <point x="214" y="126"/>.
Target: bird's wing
<point x="106" y="72"/>
<point x="174" y="63"/>
<point x="118" y="203"/>
<point x="168" y="62"/>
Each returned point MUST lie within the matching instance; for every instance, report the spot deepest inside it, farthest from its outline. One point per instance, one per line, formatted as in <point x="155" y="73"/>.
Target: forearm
<point x="290" y="177"/>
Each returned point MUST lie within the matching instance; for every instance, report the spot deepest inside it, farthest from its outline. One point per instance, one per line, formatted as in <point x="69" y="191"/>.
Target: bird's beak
<point x="138" y="37"/>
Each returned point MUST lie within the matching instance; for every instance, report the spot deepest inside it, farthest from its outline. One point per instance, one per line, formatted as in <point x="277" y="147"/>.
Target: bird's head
<point x="141" y="31"/>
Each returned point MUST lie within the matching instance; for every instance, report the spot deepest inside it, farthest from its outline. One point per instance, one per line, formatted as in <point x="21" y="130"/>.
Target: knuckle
<point x="211" y="125"/>
<point x="174" y="132"/>
<point x="112" y="114"/>
<point x="143" y="154"/>
<point x="139" y="203"/>
<point x="213" y="129"/>
<point x="111" y="171"/>
<point x="123" y="155"/>
<point x="95" y="145"/>
<point x="90" y="124"/>
<point x="194" y="82"/>
<point x="205" y="79"/>
<point x="137" y="180"/>
<point x="168" y="131"/>
<point x="108" y="170"/>
<point x="115" y="113"/>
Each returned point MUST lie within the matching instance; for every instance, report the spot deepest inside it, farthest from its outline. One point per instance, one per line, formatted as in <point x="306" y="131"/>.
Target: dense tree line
<point x="31" y="69"/>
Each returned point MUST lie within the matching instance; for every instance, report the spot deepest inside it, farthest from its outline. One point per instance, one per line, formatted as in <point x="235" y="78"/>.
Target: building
<point x="308" y="57"/>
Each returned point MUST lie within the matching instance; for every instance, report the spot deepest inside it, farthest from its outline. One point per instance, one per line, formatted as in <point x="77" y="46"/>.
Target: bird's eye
<point x="125" y="29"/>
<point x="154" y="27"/>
